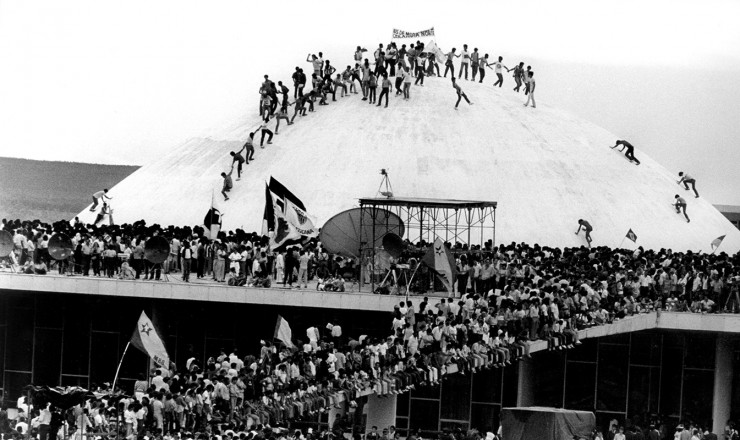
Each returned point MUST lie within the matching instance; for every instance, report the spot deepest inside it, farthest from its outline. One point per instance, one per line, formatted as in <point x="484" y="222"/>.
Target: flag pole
<point x="115" y="379"/>
<point x="621" y="242"/>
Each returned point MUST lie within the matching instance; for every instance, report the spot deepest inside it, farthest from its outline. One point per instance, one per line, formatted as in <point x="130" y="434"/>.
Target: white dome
<point x="546" y="169"/>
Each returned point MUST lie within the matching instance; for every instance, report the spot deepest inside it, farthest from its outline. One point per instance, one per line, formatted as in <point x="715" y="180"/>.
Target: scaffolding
<point x="463" y="222"/>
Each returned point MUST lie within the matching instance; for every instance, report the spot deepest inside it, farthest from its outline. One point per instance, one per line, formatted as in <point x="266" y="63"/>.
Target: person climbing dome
<point x="630" y="150"/>
<point x="586" y="227"/>
<point x="100" y="195"/>
<point x="249" y="147"/>
<point x="265" y="132"/>
<point x="498" y="68"/>
<point x="449" y="65"/>
<point x="530" y="87"/>
<point x="680" y="205"/>
<point x="686" y="180"/>
<point x="460" y="93"/>
<point x="228" y="184"/>
<point x="372" y="85"/>
<point x="239" y="160"/>
<point x="282" y="114"/>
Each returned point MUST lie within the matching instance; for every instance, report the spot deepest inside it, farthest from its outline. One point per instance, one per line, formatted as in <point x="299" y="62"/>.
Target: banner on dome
<point x="398" y="33"/>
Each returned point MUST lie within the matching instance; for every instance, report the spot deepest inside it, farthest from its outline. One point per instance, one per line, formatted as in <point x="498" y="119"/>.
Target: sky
<point x="126" y="82"/>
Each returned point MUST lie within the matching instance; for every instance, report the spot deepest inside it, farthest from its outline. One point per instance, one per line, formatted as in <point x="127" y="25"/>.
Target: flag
<point x="300" y="220"/>
<point x="285" y="215"/>
<point x="283" y="332"/>
<point x="632" y="236"/>
<point x="212" y="222"/>
<point x="147" y="339"/>
<point x="439" y="259"/>
<point x="717" y="241"/>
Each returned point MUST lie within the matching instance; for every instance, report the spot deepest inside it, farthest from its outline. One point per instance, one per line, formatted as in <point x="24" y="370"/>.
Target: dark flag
<point x="632" y="236"/>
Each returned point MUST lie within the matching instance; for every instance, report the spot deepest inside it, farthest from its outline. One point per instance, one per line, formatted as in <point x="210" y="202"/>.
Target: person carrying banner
<point x="460" y="94"/>
<point x="228" y="184"/>
<point x="587" y="228"/>
<point x="449" y="65"/>
<point x="680" y="205"/>
<point x="686" y="180"/>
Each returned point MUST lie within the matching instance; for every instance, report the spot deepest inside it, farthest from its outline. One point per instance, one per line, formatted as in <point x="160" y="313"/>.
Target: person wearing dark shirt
<point x="629" y="150"/>
<point x="586" y="227"/>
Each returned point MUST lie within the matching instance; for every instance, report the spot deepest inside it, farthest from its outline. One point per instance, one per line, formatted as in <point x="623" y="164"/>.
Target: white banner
<point x="397" y="33"/>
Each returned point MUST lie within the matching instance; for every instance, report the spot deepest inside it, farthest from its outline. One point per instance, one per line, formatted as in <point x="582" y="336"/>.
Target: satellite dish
<point x="6" y="244"/>
<point x="60" y="246"/>
<point x="341" y="233"/>
<point x="393" y="244"/>
<point x="156" y="250"/>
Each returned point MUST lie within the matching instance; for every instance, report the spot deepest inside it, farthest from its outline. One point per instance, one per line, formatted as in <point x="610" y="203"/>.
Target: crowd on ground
<point x="507" y="296"/>
<point x="391" y="67"/>
<point x="589" y="282"/>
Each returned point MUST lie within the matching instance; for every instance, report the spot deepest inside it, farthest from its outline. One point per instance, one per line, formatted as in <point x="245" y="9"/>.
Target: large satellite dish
<point x="60" y="246"/>
<point x="341" y="233"/>
<point x="6" y="244"/>
<point x="156" y="249"/>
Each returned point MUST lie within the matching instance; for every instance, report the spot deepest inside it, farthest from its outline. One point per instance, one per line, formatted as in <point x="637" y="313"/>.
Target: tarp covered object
<point x="540" y="423"/>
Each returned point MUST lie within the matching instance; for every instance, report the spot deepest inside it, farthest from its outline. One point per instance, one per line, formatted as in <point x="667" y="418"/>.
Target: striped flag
<point x="283" y="332"/>
<point x="147" y="339"/>
<point x="632" y="236"/>
<point x="717" y="241"/>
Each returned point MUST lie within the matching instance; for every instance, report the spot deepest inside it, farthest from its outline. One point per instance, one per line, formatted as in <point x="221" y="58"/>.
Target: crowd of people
<point x="507" y="296"/>
<point x="391" y="67"/>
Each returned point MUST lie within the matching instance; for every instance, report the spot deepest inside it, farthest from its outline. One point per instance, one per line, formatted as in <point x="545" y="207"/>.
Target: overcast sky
<point x="124" y="82"/>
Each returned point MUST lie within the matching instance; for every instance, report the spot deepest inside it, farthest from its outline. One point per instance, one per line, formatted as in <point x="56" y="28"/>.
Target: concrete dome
<point x="546" y="169"/>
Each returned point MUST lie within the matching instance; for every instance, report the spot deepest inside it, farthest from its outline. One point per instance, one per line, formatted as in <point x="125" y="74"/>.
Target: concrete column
<point x="525" y="385"/>
<point x="723" y="373"/>
<point x="381" y="411"/>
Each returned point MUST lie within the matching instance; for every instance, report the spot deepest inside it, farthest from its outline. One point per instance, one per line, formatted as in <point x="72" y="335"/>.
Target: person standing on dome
<point x="681" y="205"/>
<point x="482" y="64"/>
<point x="460" y="93"/>
<point x="525" y="79"/>
<point x="686" y="179"/>
<point x="474" y="57"/>
<point x="464" y="62"/>
<point x="449" y="66"/>
<point x="630" y="153"/>
<point x="498" y="68"/>
<point x="365" y="83"/>
<point x="316" y="62"/>
<point x="586" y="227"/>
<point x="372" y="85"/>
<point x="518" y="75"/>
<point x="384" y="92"/>
<point x="407" y="84"/>
<point x="265" y="132"/>
<point x="530" y="86"/>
